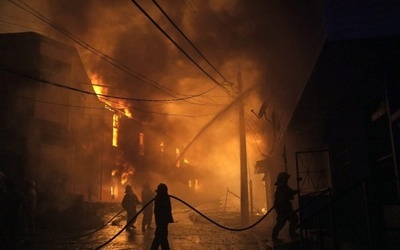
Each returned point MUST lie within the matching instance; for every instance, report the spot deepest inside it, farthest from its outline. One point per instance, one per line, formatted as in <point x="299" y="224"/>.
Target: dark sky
<point x="275" y="43"/>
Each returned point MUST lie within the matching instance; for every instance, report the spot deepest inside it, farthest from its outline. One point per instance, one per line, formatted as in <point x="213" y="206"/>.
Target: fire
<point x="112" y="192"/>
<point x="128" y="113"/>
<point x="124" y="178"/>
<point x="115" y="130"/>
<point x="162" y="147"/>
<point x="98" y="85"/>
<point x="177" y="152"/>
<point x="128" y="170"/>
<point x="100" y="89"/>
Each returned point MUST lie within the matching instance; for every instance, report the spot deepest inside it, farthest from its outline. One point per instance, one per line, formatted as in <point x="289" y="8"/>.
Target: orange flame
<point x="97" y="83"/>
<point x="101" y="89"/>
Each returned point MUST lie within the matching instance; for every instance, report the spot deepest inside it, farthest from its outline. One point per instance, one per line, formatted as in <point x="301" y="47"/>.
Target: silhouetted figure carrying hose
<point x="163" y="216"/>
<point x="283" y="207"/>
<point x="129" y="203"/>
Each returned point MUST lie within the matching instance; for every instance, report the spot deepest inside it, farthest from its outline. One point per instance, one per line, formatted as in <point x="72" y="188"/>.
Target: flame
<point x="128" y="171"/>
<point x="115" y="130"/>
<point x="128" y="113"/>
<point x="186" y="161"/>
<point x="124" y="178"/>
<point x="97" y="83"/>
<point x="101" y="89"/>
<point x="177" y="152"/>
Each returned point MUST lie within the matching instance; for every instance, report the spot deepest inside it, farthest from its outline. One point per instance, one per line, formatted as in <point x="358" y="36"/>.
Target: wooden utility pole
<point x="244" y="199"/>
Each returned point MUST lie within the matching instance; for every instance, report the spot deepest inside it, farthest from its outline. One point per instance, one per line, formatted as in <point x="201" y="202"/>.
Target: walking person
<point x="129" y="203"/>
<point x="283" y="207"/>
<point x="163" y="216"/>
<point x="147" y="196"/>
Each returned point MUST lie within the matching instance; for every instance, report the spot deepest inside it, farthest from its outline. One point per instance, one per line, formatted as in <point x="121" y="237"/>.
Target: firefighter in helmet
<point x="283" y="207"/>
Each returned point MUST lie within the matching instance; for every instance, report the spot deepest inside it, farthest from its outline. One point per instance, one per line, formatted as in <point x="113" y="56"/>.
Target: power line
<point x="99" y="95"/>
<point x="187" y="39"/>
<point x="179" y="47"/>
<point x="98" y="108"/>
<point x="57" y="104"/>
<point x="96" y="52"/>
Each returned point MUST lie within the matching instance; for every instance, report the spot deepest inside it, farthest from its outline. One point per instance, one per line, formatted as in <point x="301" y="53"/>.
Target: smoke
<point x="274" y="42"/>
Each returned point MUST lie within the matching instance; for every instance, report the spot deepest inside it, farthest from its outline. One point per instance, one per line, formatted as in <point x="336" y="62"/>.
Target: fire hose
<point x="197" y="211"/>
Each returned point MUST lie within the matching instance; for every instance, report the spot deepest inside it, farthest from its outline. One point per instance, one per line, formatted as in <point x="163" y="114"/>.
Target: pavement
<point x="190" y="231"/>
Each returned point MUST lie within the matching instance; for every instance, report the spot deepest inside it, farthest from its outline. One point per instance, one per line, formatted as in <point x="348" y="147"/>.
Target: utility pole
<point x="244" y="199"/>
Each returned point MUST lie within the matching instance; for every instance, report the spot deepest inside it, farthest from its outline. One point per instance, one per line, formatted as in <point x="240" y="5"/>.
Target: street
<point x="189" y="231"/>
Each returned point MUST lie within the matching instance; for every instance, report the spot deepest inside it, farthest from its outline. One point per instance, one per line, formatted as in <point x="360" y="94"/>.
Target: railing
<point x="314" y="208"/>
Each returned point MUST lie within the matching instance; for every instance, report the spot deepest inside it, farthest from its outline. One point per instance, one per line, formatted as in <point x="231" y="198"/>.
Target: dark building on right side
<point x="350" y="110"/>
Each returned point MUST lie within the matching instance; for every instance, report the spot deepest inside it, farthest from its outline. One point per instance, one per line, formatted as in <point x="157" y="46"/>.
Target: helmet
<point x="162" y="188"/>
<point x="282" y="177"/>
<point x="128" y="188"/>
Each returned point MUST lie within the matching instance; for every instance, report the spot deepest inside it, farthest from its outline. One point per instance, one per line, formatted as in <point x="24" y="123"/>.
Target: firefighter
<point x="129" y="203"/>
<point x="163" y="216"/>
<point x="147" y="196"/>
<point x="283" y="207"/>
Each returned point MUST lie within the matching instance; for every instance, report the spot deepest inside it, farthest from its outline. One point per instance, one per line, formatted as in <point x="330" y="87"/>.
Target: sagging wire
<point x="179" y="47"/>
<point x="194" y="209"/>
<point x="222" y="226"/>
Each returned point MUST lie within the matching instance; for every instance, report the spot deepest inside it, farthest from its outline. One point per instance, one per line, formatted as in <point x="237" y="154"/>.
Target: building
<point x="54" y="129"/>
<point x="343" y="137"/>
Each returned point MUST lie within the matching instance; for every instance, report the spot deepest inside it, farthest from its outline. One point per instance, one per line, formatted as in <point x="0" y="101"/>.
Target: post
<point x="244" y="200"/>
<point x="251" y="200"/>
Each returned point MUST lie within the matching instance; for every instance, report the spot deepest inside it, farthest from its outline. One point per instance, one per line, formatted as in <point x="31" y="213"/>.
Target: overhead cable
<point x="96" y="52"/>
<point x="188" y="40"/>
<point x="179" y="47"/>
<point x="99" y="95"/>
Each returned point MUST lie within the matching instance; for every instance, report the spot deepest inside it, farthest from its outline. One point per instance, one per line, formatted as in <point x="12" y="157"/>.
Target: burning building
<point x="53" y="127"/>
<point x="147" y="155"/>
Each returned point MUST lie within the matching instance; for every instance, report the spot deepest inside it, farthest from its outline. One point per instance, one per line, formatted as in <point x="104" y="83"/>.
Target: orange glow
<point x="124" y="178"/>
<point x="141" y="143"/>
<point x="177" y="157"/>
<point x="128" y="113"/>
<point x="186" y="161"/>
<point x="125" y="175"/>
<point x="100" y="89"/>
<point x="162" y="147"/>
<point x="115" y="130"/>
<point x="97" y="84"/>
<point x="113" y="172"/>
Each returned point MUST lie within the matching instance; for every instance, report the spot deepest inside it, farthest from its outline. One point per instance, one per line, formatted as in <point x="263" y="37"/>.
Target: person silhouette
<point x="163" y="216"/>
<point x="283" y="207"/>
<point x="129" y="203"/>
<point x="147" y="196"/>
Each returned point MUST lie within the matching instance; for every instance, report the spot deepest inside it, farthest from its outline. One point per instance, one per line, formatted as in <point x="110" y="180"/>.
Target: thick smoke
<point x="274" y="42"/>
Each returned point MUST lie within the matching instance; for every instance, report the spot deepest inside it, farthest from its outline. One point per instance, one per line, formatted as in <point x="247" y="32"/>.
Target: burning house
<point x="147" y="155"/>
<point x="53" y="128"/>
